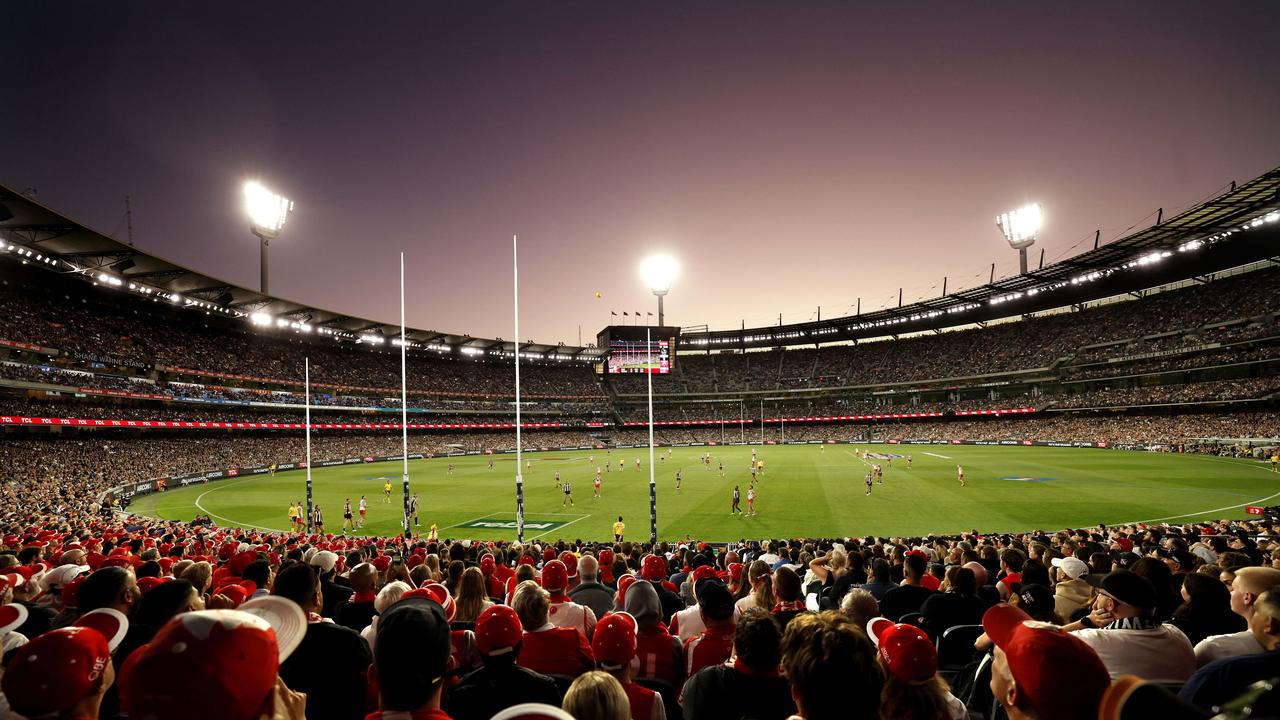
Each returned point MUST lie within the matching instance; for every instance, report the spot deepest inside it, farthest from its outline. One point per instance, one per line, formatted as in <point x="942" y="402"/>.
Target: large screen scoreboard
<point x="634" y="349"/>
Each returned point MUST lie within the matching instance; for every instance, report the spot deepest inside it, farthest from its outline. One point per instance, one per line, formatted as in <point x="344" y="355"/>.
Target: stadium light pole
<point x="653" y="483"/>
<point x="658" y="271"/>
<point x="1020" y="228"/>
<point x="267" y="213"/>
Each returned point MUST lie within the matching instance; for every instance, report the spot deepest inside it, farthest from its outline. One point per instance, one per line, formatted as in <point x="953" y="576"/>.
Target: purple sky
<point x="790" y="154"/>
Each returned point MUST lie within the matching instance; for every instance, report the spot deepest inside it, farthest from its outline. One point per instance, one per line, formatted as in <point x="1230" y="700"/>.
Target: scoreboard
<point x="630" y="352"/>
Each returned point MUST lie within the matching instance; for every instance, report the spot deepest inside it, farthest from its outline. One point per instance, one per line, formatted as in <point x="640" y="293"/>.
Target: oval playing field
<point x="805" y="491"/>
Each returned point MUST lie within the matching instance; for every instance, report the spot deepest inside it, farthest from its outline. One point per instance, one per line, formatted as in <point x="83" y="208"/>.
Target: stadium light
<point x="658" y="272"/>
<point x="1020" y="228"/>
<point x="267" y="213"/>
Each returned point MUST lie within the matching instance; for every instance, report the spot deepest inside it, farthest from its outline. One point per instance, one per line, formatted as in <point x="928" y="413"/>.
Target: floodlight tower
<point x="267" y="212"/>
<point x="1021" y="227"/>
<point x="658" y="271"/>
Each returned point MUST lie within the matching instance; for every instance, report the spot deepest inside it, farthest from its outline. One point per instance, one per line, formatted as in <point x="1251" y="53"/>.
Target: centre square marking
<point x="529" y="524"/>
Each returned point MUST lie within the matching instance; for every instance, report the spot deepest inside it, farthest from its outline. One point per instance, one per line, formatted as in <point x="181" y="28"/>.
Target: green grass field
<point x="805" y="491"/>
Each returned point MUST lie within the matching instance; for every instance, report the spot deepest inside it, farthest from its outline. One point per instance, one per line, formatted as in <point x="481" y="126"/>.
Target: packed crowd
<point x="137" y="617"/>
<point x="1238" y="354"/>
<point x="1214" y="391"/>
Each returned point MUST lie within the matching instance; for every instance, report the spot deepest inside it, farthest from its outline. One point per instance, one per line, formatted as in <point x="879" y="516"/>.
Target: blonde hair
<point x="597" y="696"/>
<point x="531" y="603"/>
<point x="200" y="575"/>
<point x="389" y="595"/>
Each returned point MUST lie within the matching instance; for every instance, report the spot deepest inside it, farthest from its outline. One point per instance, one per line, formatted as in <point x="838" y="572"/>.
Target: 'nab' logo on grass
<point x="511" y="524"/>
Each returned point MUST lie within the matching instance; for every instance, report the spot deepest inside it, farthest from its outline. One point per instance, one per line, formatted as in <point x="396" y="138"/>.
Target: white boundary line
<point x="555" y="529"/>
<point x="944" y="457"/>
<point x="235" y="523"/>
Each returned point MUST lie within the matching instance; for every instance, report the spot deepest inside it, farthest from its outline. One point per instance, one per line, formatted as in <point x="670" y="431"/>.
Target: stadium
<point x="211" y="493"/>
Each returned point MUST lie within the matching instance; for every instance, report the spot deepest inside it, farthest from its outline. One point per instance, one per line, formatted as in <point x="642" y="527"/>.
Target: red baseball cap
<point x="532" y="711"/>
<point x="653" y="567"/>
<point x="147" y="584"/>
<point x="12" y="617"/>
<point x="441" y="595"/>
<point x="570" y="563"/>
<point x="487" y="564"/>
<point x="224" y="660"/>
<point x="498" y="630"/>
<point x="614" y="642"/>
<point x="1061" y="676"/>
<point x="61" y="667"/>
<point x="554" y="575"/>
<point x="905" y="650"/>
<point x="705" y="572"/>
<point x="625" y="582"/>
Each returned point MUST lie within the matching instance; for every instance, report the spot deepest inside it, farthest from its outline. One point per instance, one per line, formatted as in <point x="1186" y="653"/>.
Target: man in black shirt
<point x="330" y="663"/>
<point x="750" y="684"/>
<point x="500" y="683"/>
<point x="910" y="595"/>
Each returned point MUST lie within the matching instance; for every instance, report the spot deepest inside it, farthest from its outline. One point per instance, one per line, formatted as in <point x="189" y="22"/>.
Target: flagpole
<point x="404" y="401"/>
<point x="515" y="295"/>
<point x="306" y="364"/>
<point x="653" y="487"/>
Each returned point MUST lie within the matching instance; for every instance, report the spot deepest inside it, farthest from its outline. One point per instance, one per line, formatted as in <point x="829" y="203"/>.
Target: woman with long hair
<point x="1206" y="609"/>
<point x="760" y="579"/>
<point x="470" y="598"/>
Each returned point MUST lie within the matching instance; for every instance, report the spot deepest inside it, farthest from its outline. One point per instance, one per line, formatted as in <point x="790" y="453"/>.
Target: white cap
<point x="325" y="560"/>
<point x="1072" y="566"/>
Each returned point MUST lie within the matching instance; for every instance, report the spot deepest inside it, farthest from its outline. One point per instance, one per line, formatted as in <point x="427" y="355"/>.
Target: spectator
<point x="880" y="582"/>
<point x="661" y="655"/>
<point x="589" y="591"/>
<point x="1042" y="672"/>
<point x="326" y="564"/>
<point x="832" y="668"/>
<point x="912" y="688"/>
<point x="1248" y="585"/>
<point x="760" y="577"/>
<point x="614" y="645"/>
<point x="1206" y="609"/>
<point x="790" y="595"/>
<point x="1224" y="680"/>
<point x="331" y="661"/>
<point x="548" y="649"/>
<point x="357" y="611"/>
<point x="501" y="682"/>
<point x="1121" y="629"/>
<point x="472" y="598"/>
<point x="859" y="606"/>
<point x="597" y="696"/>
<point x="65" y="673"/>
<point x="715" y="644"/>
<point x="411" y="660"/>
<point x="957" y="604"/>
<point x="1071" y="592"/>
<point x="750" y="685"/>
<point x="564" y="612"/>
<point x="911" y="594"/>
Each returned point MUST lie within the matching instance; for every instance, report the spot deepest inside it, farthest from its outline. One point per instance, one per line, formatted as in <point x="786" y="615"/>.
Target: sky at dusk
<point x="790" y="154"/>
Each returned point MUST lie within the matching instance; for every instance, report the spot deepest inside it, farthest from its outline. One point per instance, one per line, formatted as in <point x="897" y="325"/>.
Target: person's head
<point x="880" y="570"/>
<point x="1247" y="585"/>
<point x="1012" y="559"/>
<point x="199" y="574"/>
<point x="832" y="667"/>
<point x="1265" y="622"/>
<point x="1041" y="672"/>
<point x="65" y="672"/>
<point x="109" y="587"/>
<point x="531" y="604"/>
<point x="613" y="644"/>
<point x="980" y="575"/>
<point x="786" y="585"/>
<point x="166" y="600"/>
<point x="364" y="578"/>
<point x="757" y="641"/>
<point x="859" y="606"/>
<point x="259" y="571"/>
<point x="499" y="635"/>
<point x="597" y="696"/>
<point x="961" y="581"/>
<point x="1125" y="595"/>
<point x="914" y="566"/>
<point x="588" y="569"/>
<point x="641" y="602"/>
<point x="1205" y="592"/>
<point x="389" y="595"/>
<point x="411" y="655"/>
<point x="300" y="583"/>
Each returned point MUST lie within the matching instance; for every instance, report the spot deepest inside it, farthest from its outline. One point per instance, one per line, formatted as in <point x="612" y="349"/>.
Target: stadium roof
<point x="1209" y="237"/>
<point x="67" y="246"/>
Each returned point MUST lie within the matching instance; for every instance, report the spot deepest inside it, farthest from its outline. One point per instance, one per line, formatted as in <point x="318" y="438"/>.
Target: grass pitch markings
<point x="944" y="457"/>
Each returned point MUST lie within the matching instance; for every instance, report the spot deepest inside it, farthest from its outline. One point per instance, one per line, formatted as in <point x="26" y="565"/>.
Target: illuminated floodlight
<point x="267" y="210"/>
<point x="1020" y="228"/>
<point x="260" y="319"/>
<point x="267" y="213"/>
<point x="658" y="272"/>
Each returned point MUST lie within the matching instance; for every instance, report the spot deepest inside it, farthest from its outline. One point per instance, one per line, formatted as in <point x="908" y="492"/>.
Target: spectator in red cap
<point x="614" y="645"/>
<point x="411" y="661"/>
<point x="501" y="682"/>
<point x="217" y="664"/>
<point x="831" y="667"/>
<point x="1122" y="631"/>
<point x="1041" y="672"/>
<point x="548" y="649"/>
<point x="564" y="612"/>
<point x="65" y="673"/>
<point x="661" y="654"/>
<point x="912" y="688"/>
<point x="590" y="591"/>
<point x="750" y="685"/>
<point x="654" y="569"/>
<point x="715" y="644"/>
<point x="331" y="662"/>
